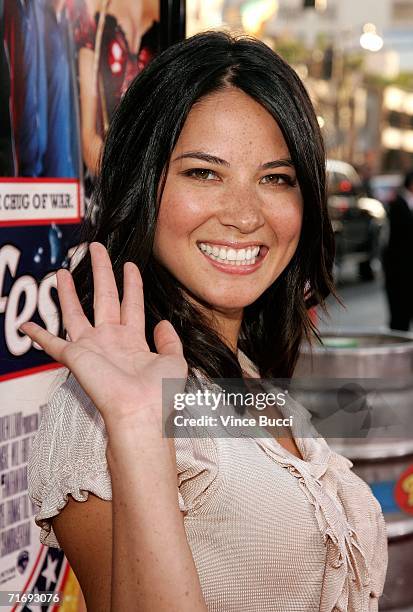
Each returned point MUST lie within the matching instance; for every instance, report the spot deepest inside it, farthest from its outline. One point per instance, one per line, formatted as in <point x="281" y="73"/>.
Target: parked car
<point x="359" y="222"/>
<point x="385" y="186"/>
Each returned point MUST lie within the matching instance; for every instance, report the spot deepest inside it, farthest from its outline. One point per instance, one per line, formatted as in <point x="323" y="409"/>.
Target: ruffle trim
<point x="344" y="550"/>
<point x="55" y="497"/>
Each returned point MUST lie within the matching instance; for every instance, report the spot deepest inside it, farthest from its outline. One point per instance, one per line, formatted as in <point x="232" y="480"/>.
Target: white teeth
<point x="239" y="257"/>
<point x="231" y="255"/>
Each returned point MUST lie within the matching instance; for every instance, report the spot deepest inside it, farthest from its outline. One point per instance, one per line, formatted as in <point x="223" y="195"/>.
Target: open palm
<point x="111" y="360"/>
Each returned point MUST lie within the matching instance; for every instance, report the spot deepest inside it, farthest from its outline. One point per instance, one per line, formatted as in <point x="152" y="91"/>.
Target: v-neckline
<point x="249" y="369"/>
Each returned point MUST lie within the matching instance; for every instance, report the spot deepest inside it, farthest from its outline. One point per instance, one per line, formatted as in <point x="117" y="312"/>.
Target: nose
<point x="241" y="209"/>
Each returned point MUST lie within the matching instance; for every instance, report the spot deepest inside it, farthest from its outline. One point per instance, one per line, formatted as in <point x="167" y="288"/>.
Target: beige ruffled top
<point x="269" y="532"/>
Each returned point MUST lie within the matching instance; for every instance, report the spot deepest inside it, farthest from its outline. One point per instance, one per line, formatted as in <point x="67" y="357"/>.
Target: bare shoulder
<point x="84" y="531"/>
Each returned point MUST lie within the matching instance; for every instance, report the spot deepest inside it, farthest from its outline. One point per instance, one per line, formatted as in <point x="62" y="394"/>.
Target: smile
<point x="230" y="256"/>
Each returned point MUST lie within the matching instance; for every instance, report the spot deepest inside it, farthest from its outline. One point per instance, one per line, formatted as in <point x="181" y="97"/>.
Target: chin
<point x="231" y="302"/>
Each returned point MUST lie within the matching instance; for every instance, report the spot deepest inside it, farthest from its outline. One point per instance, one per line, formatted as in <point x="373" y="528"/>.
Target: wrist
<point x="138" y="439"/>
<point x="134" y="419"/>
<point x="142" y="466"/>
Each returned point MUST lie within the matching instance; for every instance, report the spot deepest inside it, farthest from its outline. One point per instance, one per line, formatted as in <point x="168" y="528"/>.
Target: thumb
<point x="166" y="339"/>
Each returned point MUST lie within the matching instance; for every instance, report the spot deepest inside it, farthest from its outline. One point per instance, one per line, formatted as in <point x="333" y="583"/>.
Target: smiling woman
<point x="212" y="192"/>
<point x="219" y="193"/>
<point x="208" y="134"/>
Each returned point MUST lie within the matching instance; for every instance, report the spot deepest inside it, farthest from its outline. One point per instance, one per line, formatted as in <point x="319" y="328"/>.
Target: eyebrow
<point x="277" y="163"/>
<point x="212" y="159"/>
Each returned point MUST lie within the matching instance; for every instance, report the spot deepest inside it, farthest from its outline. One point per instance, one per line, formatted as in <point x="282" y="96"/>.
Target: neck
<point x="133" y="9"/>
<point x="226" y="324"/>
<point x="229" y="325"/>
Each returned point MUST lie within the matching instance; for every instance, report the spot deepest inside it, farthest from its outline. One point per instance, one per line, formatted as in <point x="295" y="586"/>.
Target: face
<point x="231" y="211"/>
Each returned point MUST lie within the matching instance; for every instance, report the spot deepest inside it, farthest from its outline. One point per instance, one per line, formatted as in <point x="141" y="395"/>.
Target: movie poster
<point x="64" y="66"/>
<point x="32" y="247"/>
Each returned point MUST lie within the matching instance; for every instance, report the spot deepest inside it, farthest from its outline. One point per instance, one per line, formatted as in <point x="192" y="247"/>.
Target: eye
<point x="279" y="179"/>
<point x="202" y="174"/>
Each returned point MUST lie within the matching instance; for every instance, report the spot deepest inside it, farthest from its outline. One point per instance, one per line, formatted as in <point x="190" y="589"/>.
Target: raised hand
<point x="111" y="360"/>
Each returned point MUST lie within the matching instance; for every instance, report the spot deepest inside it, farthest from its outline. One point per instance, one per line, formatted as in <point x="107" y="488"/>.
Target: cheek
<point x="286" y="222"/>
<point x="179" y="215"/>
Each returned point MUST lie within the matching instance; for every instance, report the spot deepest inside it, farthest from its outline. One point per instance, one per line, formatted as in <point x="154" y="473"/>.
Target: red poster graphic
<point x="403" y="491"/>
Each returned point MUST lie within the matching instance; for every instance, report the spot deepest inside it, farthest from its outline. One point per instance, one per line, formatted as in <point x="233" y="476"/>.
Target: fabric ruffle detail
<point x="344" y="553"/>
<point x="55" y="497"/>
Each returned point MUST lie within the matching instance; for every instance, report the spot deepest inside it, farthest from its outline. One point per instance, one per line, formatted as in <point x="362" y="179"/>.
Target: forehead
<point x="232" y="124"/>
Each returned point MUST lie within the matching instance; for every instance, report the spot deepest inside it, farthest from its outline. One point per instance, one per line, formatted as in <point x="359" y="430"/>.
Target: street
<point x="365" y="306"/>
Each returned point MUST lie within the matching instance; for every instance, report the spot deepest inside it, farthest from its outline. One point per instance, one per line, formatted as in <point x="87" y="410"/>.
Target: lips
<point x="244" y="259"/>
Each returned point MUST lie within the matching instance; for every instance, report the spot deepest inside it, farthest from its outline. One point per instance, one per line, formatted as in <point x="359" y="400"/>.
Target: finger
<point x="132" y="310"/>
<point x="106" y="296"/>
<point x="53" y="345"/>
<point x="167" y="341"/>
<point x="90" y="369"/>
<point x="74" y="319"/>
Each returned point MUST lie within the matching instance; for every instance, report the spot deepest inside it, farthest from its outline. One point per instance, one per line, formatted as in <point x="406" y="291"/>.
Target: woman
<point x="120" y="41"/>
<point x="212" y="192"/>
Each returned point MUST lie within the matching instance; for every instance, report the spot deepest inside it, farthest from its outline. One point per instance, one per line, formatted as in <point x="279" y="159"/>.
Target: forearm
<point x="152" y="564"/>
<point x="91" y="141"/>
<point x="91" y="149"/>
<point x="149" y="562"/>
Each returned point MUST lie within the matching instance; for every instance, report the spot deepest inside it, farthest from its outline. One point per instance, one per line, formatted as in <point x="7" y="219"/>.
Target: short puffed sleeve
<point x="68" y="456"/>
<point x="198" y="470"/>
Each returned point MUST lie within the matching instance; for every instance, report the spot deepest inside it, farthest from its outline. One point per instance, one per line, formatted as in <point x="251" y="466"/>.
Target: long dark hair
<point x="141" y="137"/>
